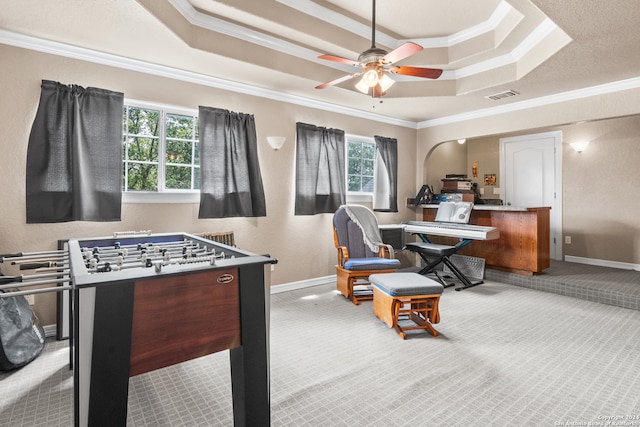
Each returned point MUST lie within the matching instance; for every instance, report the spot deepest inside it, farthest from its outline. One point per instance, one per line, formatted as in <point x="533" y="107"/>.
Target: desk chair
<point x="360" y="251"/>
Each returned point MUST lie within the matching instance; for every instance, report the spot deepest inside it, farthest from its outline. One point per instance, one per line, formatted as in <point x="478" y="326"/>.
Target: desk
<point x="523" y="246"/>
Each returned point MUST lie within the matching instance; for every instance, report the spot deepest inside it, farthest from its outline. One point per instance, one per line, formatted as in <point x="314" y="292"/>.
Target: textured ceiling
<point x="534" y="47"/>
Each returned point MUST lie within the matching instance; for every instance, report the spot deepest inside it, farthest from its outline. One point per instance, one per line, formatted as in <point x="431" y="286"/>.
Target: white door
<point x="530" y="171"/>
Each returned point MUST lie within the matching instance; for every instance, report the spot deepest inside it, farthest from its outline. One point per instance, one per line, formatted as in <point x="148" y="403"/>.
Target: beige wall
<point x="454" y="158"/>
<point x="447" y="158"/>
<point x="604" y="175"/>
<point x="302" y="244"/>
<point x="600" y="187"/>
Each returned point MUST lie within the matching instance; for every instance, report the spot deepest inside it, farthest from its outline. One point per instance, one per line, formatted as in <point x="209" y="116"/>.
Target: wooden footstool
<point x="406" y="294"/>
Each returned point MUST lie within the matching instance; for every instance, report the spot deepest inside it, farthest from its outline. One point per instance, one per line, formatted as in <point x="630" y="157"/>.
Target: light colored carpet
<point x="507" y="356"/>
<point x="590" y="282"/>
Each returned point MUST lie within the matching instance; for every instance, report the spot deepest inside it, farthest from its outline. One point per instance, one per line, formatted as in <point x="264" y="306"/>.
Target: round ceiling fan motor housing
<point x="373" y="54"/>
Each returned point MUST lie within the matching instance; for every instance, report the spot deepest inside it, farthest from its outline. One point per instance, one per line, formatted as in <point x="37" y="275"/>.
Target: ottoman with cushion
<point x="406" y="294"/>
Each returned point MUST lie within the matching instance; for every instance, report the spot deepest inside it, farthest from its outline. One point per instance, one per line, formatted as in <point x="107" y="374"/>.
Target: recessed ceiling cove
<point x="478" y="45"/>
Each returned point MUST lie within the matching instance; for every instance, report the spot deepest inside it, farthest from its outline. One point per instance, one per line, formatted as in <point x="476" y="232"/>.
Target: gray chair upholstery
<point x="356" y="261"/>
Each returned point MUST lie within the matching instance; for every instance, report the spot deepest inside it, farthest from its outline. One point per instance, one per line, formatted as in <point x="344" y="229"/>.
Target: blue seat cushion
<point x="402" y="284"/>
<point x="374" y="263"/>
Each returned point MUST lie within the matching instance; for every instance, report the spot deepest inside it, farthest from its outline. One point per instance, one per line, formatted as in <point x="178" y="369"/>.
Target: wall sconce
<point x="462" y="141"/>
<point x="579" y="146"/>
<point x="276" y="142"/>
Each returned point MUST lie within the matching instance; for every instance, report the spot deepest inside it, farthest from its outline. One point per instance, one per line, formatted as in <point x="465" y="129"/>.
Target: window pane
<point x="354" y="183"/>
<point x="355" y="149"/>
<point x="367" y="184"/>
<point x="179" y="126"/>
<point x="142" y="176"/>
<point x="368" y="167"/>
<point x="178" y="178"/>
<point x="142" y="121"/>
<point x="178" y="152"/>
<point x="368" y="151"/>
<point x="355" y="167"/>
<point x="142" y="149"/>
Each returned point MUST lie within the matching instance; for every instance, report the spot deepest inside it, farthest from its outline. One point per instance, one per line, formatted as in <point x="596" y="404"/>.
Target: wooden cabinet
<point x="523" y="246"/>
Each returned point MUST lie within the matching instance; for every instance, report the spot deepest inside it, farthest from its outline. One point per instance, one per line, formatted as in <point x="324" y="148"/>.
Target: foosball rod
<point x="178" y="250"/>
<point x="32" y="265"/>
<point x="149" y="251"/>
<point x="35" y="277"/>
<point x="88" y="255"/>
<point x="39" y="257"/>
<point x="25" y="255"/>
<point x="35" y="291"/>
<point x="137" y="245"/>
<point x="137" y="259"/>
<point x="34" y="283"/>
<point x="154" y="262"/>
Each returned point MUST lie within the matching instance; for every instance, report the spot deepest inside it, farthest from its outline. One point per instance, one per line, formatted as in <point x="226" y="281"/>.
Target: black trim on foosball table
<point x="250" y="361"/>
<point x="110" y="356"/>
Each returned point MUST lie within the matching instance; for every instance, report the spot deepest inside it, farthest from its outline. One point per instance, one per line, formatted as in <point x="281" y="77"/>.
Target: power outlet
<point x="567" y="240"/>
<point x="31" y="299"/>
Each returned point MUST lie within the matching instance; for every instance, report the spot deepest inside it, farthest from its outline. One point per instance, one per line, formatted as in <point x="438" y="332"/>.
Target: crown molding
<point x="75" y="52"/>
<point x="572" y="95"/>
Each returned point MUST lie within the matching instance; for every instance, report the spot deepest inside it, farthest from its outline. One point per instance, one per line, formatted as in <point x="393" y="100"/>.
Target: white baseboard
<point x="602" y="262"/>
<point x="292" y="286"/>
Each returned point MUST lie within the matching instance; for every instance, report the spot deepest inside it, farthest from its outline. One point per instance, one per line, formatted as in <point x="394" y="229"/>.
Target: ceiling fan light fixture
<point x="385" y="82"/>
<point x="370" y="77"/>
<point x="362" y="87"/>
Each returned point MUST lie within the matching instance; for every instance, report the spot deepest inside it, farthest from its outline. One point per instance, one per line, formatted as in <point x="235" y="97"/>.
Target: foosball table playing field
<point x="144" y="301"/>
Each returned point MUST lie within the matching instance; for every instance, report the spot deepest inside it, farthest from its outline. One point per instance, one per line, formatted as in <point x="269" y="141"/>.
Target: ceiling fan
<point x="376" y="63"/>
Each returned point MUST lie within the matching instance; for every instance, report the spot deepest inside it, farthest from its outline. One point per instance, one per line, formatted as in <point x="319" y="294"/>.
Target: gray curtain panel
<point x="230" y="179"/>
<point x="320" y="174"/>
<point x="74" y="157"/>
<point x="387" y="201"/>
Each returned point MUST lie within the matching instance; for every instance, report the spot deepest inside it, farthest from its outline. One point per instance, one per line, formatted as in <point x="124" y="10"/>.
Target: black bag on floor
<point x="21" y="336"/>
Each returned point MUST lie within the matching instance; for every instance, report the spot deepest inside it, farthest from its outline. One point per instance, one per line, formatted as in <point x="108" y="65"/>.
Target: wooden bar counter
<point x="523" y="246"/>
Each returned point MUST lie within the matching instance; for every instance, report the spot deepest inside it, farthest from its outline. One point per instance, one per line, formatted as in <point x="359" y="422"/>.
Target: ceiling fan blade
<point x="428" y="73"/>
<point x="336" y="81"/>
<point x="339" y="59"/>
<point x="404" y="51"/>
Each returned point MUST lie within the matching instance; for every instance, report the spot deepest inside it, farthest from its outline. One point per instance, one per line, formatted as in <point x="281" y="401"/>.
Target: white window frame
<point x="162" y="195"/>
<point x="358" y="196"/>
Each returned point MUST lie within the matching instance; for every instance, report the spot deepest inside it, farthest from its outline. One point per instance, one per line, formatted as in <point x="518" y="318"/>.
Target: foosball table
<point x="144" y="301"/>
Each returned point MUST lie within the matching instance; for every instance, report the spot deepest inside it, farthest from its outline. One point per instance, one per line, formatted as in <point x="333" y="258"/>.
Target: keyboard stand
<point x="442" y="253"/>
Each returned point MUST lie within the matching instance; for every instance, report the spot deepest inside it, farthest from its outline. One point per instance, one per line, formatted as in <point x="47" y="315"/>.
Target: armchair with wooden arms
<point x="360" y="252"/>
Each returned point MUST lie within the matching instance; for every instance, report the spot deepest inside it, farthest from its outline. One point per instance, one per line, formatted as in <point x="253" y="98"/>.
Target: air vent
<point x="502" y="95"/>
